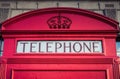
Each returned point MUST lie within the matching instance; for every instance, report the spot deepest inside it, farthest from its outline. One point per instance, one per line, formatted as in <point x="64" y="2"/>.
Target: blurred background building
<point x="11" y="8"/>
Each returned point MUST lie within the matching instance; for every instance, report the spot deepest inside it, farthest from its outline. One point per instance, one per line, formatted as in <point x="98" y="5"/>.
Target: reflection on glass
<point x="118" y="48"/>
<point x="1" y="47"/>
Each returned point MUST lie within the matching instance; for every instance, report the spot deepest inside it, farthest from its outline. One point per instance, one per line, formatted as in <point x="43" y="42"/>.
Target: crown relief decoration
<point x="59" y="22"/>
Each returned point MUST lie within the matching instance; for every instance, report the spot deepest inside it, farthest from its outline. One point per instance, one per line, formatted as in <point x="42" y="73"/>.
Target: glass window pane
<point x="118" y="48"/>
<point x="1" y="47"/>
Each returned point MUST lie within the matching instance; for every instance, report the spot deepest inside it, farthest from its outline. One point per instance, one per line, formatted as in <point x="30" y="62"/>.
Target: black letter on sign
<point x="95" y="45"/>
<point x="32" y="46"/>
<point x="24" y="45"/>
<point x="88" y="47"/>
<point x="48" y="46"/>
<point x="74" y="47"/>
<point x="69" y="47"/>
<point x="57" y="46"/>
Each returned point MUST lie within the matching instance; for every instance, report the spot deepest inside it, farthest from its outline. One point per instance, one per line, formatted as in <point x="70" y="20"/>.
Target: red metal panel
<point x="3" y="68"/>
<point x="88" y="68"/>
<point x="59" y="74"/>
<point x="119" y="70"/>
<point x="119" y="66"/>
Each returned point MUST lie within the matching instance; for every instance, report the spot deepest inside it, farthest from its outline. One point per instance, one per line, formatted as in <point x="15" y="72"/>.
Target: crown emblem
<point x="59" y="22"/>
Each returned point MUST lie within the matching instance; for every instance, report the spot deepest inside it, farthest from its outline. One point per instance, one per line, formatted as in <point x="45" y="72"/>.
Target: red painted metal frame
<point x="85" y="25"/>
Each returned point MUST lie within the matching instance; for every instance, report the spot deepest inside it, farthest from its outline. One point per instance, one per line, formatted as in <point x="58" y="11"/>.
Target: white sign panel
<point x="59" y="47"/>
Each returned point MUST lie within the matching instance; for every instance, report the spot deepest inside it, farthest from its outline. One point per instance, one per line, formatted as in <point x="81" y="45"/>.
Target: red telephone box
<point x="59" y="43"/>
